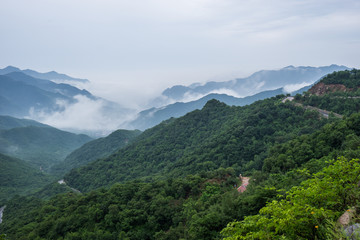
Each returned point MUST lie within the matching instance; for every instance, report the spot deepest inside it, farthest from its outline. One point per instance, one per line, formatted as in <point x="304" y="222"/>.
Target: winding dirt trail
<point x="244" y="183"/>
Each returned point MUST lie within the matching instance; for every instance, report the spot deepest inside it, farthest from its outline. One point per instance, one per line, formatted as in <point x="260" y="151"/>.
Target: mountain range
<point x="52" y="75"/>
<point x="25" y="96"/>
<point x="263" y="84"/>
<point x="41" y="146"/>
<point x="179" y="179"/>
<point x="288" y="78"/>
<point x="28" y="93"/>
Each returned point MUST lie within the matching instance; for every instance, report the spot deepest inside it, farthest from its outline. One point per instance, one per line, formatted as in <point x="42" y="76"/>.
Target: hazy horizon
<point x="132" y="50"/>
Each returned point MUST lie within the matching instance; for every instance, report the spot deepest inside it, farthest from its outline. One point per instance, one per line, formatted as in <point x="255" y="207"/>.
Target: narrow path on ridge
<point x="1" y="213"/>
<point x="63" y="182"/>
<point x="323" y="112"/>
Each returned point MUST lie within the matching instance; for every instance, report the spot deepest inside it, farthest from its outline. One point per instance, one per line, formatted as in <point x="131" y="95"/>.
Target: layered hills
<point x="178" y="180"/>
<point x="258" y="86"/>
<point x="35" y="96"/>
<point x="96" y="149"/>
<point x="287" y="77"/>
<point x="203" y="140"/>
<point x="41" y="146"/>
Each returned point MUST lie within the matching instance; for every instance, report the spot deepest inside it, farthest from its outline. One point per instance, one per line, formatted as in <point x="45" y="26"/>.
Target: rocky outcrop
<point x="353" y="231"/>
<point x="322" y="88"/>
<point x="244" y="183"/>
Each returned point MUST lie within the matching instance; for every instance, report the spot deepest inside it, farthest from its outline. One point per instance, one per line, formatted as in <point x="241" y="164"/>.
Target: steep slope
<point x="199" y="206"/>
<point x="95" y="149"/>
<point x="257" y="82"/>
<point x="217" y="136"/>
<point x="27" y="94"/>
<point x="47" y="85"/>
<point x="18" y="177"/>
<point x="337" y="92"/>
<point x="21" y="98"/>
<point x="40" y="146"/>
<point x="154" y="116"/>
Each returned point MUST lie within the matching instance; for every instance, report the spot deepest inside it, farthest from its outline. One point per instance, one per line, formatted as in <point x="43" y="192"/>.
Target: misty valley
<point x="275" y="155"/>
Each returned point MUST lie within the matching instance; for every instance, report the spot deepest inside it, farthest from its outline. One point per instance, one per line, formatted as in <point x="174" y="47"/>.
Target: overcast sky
<point x="132" y="49"/>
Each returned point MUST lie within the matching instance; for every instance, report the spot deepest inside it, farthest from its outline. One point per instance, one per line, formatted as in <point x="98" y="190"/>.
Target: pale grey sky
<point x="132" y="49"/>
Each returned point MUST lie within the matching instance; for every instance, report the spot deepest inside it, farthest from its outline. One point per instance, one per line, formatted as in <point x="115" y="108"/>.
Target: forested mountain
<point x="203" y="140"/>
<point x="178" y="180"/>
<point x="40" y="145"/>
<point x="199" y="206"/>
<point x="260" y="85"/>
<point x="152" y="117"/>
<point x="18" y="177"/>
<point x="337" y="92"/>
<point x="98" y="148"/>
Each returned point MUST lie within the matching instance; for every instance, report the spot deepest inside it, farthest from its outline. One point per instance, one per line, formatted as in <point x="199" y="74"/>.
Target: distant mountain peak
<point x="9" y="69"/>
<point x="52" y="75"/>
<point x="12" y="68"/>
<point x="289" y="67"/>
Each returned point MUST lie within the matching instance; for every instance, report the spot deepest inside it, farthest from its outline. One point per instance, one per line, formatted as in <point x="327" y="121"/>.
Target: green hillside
<point x="203" y="140"/>
<point x="39" y="146"/>
<point x="348" y="78"/>
<point x="98" y="148"/>
<point x="199" y="206"/>
<point x="337" y="92"/>
<point x="179" y="180"/>
<point x="18" y="177"/>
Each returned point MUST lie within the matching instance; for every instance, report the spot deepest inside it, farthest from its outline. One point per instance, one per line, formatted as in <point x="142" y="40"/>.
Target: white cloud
<point x="294" y="87"/>
<point x="137" y="48"/>
<point x="86" y="115"/>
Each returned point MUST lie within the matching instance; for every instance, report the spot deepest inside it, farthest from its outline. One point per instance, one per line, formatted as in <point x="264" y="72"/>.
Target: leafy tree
<point x="308" y="211"/>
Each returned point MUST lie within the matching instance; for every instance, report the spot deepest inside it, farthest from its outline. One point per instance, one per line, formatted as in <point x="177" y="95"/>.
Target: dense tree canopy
<point x="178" y="180"/>
<point x="203" y="140"/>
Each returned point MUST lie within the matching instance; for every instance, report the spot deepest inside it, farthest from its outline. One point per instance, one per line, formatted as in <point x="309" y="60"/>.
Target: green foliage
<point x="343" y="101"/>
<point x="168" y="184"/>
<point x="351" y="79"/>
<point x="99" y="148"/>
<point x="308" y="211"/>
<point x="193" y="207"/>
<point x="333" y="140"/>
<point x="203" y="140"/>
<point x="344" y="104"/>
<point x="18" y="177"/>
<point x="39" y="146"/>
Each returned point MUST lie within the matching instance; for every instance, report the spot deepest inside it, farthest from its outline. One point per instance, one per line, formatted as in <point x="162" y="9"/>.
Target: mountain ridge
<point x="52" y="75"/>
<point x="259" y="81"/>
<point x="38" y="144"/>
